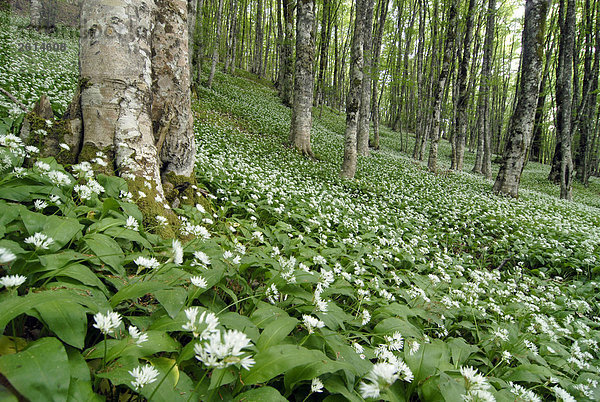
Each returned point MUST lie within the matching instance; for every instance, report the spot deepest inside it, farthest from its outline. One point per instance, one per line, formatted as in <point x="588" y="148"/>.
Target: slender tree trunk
<point x="191" y="7"/>
<point x="304" y="78"/>
<point x="200" y="43"/>
<point x="564" y="97"/>
<point x="383" y="10"/>
<point x="420" y="127"/>
<point x="35" y="14"/>
<point x="364" y="117"/>
<point x="215" y="56"/>
<point x="463" y="95"/>
<point x="483" y="165"/>
<point x="521" y="123"/>
<point x="323" y="50"/>
<point x="441" y="85"/>
<point x="354" y="93"/>
<point x="288" y="61"/>
<point x="258" y="44"/>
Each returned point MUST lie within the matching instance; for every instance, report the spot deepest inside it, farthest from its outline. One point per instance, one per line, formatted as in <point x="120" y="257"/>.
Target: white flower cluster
<point x="107" y="323"/>
<point x="476" y="386"/>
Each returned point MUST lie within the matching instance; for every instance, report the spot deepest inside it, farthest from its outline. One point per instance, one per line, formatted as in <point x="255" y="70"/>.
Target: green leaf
<point x="429" y="360"/>
<point x="61" y="230"/>
<point x="336" y="385"/>
<point x="172" y="300"/>
<point x="107" y="250"/>
<point x="532" y="373"/>
<point x="266" y="313"/>
<point x="260" y="395"/>
<point x="67" y="319"/>
<point x="460" y="350"/>
<point x="80" y="387"/>
<point x="277" y="360"/>
<point x="233" y="320"/>
<point x="442" y="387"/>
<point x="136" y="290"/>
<point x="391" y="325"/>
<point x="40" y="372"/>
<point x="275" y="332"/>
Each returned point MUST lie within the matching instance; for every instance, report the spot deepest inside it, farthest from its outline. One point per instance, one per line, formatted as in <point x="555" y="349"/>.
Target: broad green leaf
<point x="275" y="332"/>
<point x="313" y="370"/>
<point x="80" y="387"/>
<point x="172" y="300"/>
<point x="107" y="250"/>
<point x="532" y="373"/>
<point x="442" y="387"/>
<point x="336" y="385"/>
<point x="40" y="372"/>
<point x="266" y="313"/>
<point x="261" y="394"/>
<point x="460" y="350"/>
<point x="67" y="319"/>
<point x="233" y="320"/>
<point x="61" y="230"/>
<point x="429" y="360"/>
<point x="136" y="290"/>
<point x="277" y="360"/>
<point x="80" y="273"/>
<point x="391" y="325"/>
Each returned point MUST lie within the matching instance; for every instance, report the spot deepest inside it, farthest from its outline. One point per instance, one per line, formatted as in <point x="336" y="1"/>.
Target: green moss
<point x="89" y="152"/>
<point x="184" y="189"/>
<point x="150" y="209"/>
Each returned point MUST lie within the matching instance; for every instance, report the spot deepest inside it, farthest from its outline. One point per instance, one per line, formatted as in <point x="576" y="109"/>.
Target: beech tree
<point x="354" y="93"/>
<point x="521" y="123"/>
<point x="364" y="117"/>
<point x="136" y="109"/>
<point x="303" y="84"/>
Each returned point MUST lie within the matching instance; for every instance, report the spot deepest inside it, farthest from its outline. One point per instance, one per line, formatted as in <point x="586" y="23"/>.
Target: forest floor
<point x="397" y="285"/>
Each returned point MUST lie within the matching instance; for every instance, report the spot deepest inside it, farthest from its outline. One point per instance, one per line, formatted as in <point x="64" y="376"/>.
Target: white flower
<point x="137" y="335"/>
<point x="316" y="385"/>
<point x="144" y="262"/>
<point x="562" y="394"/>
<point x="132" y="224"/>
<point x="40" y="240"/>
<point x="39" y="204"/>
<point x="203" y="326"/>
<point x="177" y="252"/>
<point x="381" y="376"/>
<point x="200" y="259"/>
<point x="395" y="342"/>
<point x="161" y="220"/>
<point x="524" y="394"/>
<point x="369" y="390"/>
<point x="311" y="322"/>
<point x="6" y="256"/>
<point x="413" y="348"/>
<point x="223" y="349"/>
<point x="58" y="178"/>
<point x="199" y="282"/>
<point x="143" y="375"/>
<point x="108" y="322"/>
<point x="12" y="281"/>
<point x="366" y="317"/>
<point x="200" y="208"/>
<point x="64" y="146"/>
<point x="272" y="294"/>
<point x="506" y="356"/>
<point x="501" y="333"/>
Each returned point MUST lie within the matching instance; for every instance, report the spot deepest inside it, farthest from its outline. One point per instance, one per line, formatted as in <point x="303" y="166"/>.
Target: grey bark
<point x="171" y="96"/>
<point x="364" y="117"/>
<point x="564" y="97"/>
<point x="115" y="99"/>
<point x="354" y="93"/>
<point x="259" y="39"/>
<point x="463" y="94"/>
<point x="441" y="85"/>
<point x="287" y="65"/>
<point x="215" y="55"/>
<point x="521" y="123"/>
<point x="383" y="10"/>
<point x="303" y="84"/>
<point x="35" y="14"/>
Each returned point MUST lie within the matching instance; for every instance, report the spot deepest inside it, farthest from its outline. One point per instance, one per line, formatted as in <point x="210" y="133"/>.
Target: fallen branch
<point x="15" y="100"/>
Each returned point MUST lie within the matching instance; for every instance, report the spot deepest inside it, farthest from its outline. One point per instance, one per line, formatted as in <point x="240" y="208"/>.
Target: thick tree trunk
<point x="364" y="117"/>
<point x="287" y="54"/>
<point x="303" y="83"/>
<point x="35" y="14"/>
<point x="521" y="123"/>
<point x="171" y="97"/>
<point x="564" y="97"/>
<point x="483" y="164"/>
<point x="441" y="85"/>
<point x="115" y="100"/>
<point x="463" y="95"/>
<point x="354" y="94"/>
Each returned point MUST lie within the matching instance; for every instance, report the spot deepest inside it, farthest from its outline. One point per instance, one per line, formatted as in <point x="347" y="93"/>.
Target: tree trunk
<point x="288" y="60"/>
<point x="35" y="14"/>
<point x="364" y="117"/>
<point x="420" y="126"/>
<point x="564" y="96"/>
<point x="258" y="44"/>
<point x="191" y="20"/>
<point x="484" y="142"/>
<point x="215" y="55"/>
<point x="521" y="123"/>
<point x="463" y="95"/>
<point x="303" y="84"/>
<point x="354" y="93"/>
<point x="383" y="10"/>
<point x="441" y="85"/>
